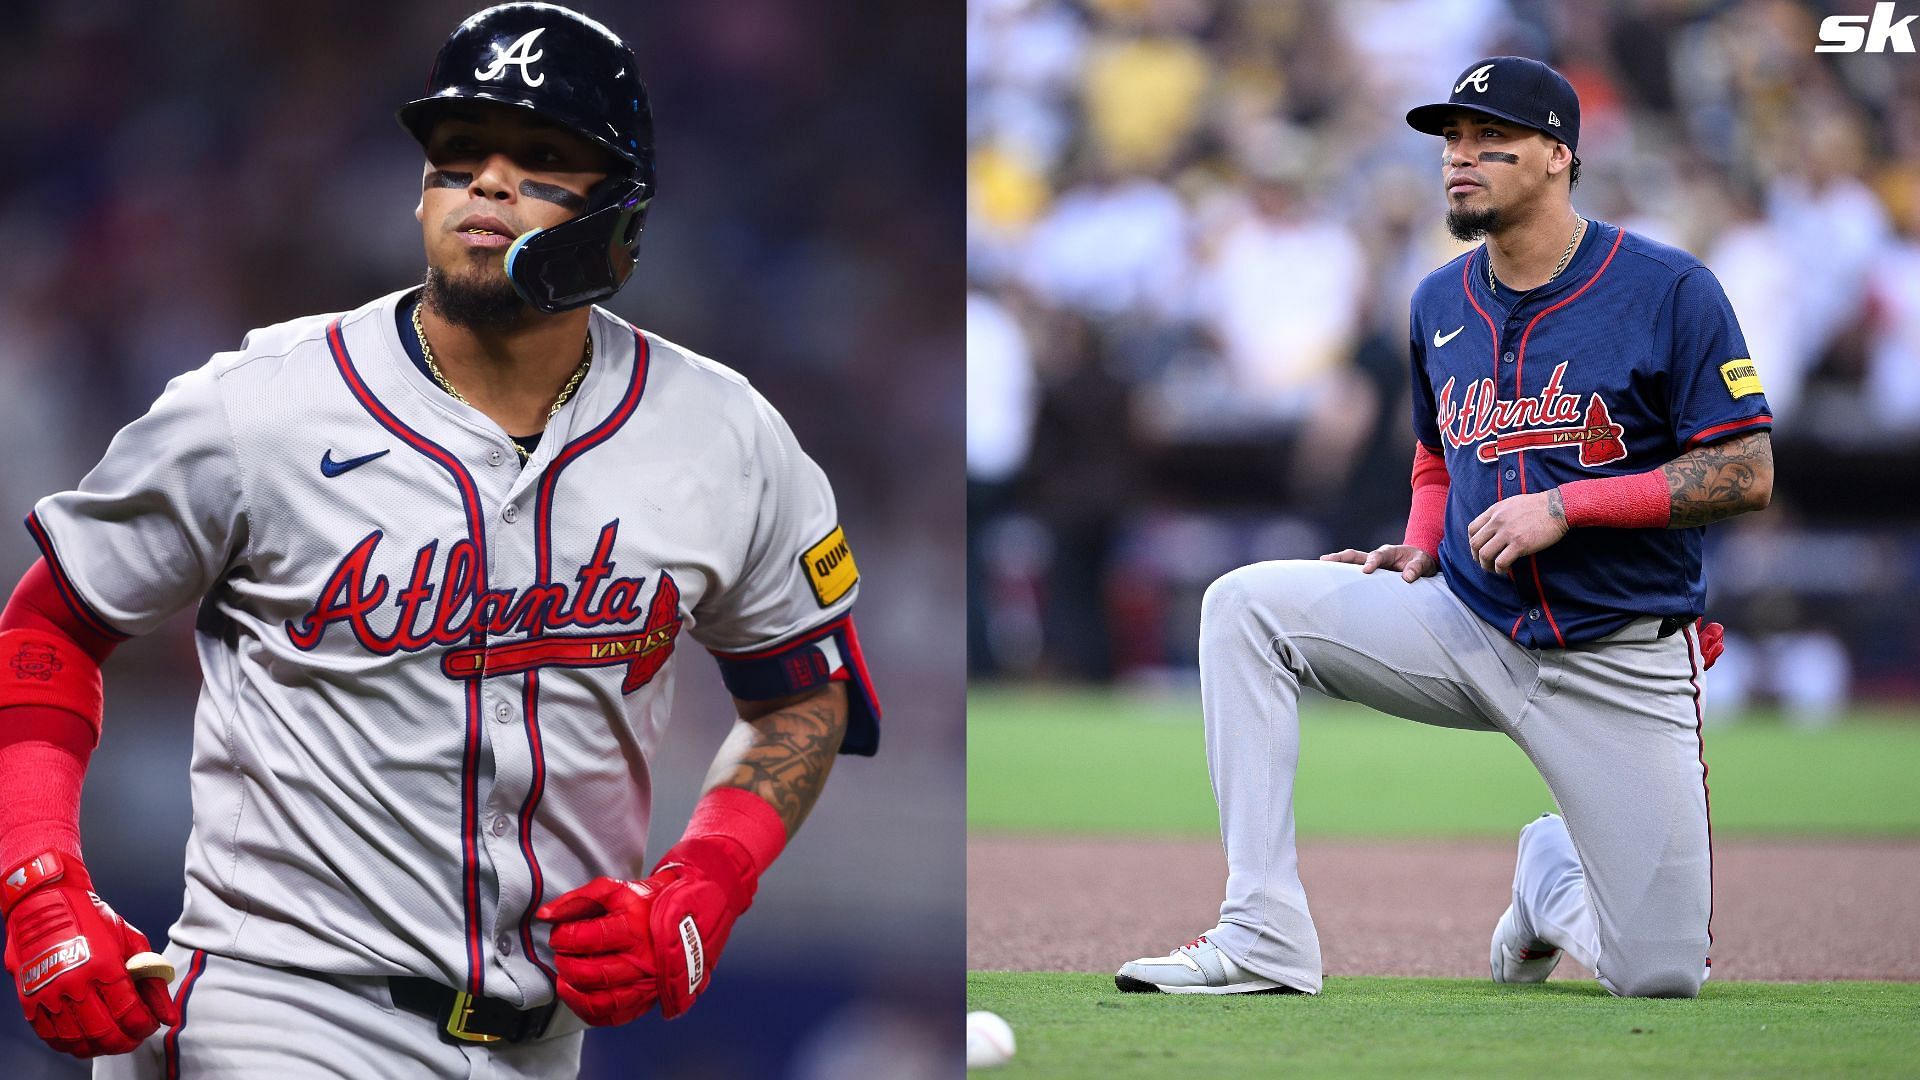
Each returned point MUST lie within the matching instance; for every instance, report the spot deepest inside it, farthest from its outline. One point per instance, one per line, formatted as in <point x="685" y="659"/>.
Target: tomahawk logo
<point x="1857" y="33"/>
<point x="1477" y="79"/>
<point x="521" y="55"/>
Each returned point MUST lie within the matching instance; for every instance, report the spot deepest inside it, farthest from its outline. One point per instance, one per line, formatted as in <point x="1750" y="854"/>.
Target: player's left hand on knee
<point x="1512" y="529"/>
<point x="620" y="946"/>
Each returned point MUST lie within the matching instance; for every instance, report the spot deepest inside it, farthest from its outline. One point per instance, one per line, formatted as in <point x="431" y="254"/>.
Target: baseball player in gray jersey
<point x="444" y="548"/>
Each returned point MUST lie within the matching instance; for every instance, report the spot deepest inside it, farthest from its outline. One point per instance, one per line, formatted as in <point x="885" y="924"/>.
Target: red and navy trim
<point x="798" y="665"/>
<point x="1721" y="431"/>
<point x="171" y="1044"/>
<point x="477" y="535"/>
<point x="543" y="571"/>
<point x="1699" y="727"/>
<point x="1519" y="370"/>
<point x="62" y="582"/>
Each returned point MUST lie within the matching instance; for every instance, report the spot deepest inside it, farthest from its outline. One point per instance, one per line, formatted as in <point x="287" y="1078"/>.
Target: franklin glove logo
<point x="696" y="959"/>
<point x="53" y="963"/>
<point x="1858" y="33"/>
<point x="521" y="55"/>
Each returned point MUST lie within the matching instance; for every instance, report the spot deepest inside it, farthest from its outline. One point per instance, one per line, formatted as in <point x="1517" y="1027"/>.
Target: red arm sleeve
<point x="49" y="652"/>
<point x="1427" y="518"/>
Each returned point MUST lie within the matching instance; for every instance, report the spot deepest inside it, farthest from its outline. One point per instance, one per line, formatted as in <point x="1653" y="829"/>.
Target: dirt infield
<point x="1783" y="910"/>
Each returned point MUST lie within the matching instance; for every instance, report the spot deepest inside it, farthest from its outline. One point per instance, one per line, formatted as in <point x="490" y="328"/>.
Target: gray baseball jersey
<point x="434" y="678"/>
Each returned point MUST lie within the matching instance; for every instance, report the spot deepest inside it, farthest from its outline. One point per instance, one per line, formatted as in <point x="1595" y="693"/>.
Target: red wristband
<point x="43" y="761"/>
<point x="746" y="819"/>
<point x="47" y="669"/>
<point x="1634" y="501"/>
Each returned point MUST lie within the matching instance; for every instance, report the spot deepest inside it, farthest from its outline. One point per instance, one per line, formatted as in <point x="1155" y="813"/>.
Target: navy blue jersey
<point x="1627" y="359"/>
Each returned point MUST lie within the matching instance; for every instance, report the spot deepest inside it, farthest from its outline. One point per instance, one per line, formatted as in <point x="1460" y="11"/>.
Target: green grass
<point x="1080" y="1026"/>
<point x="1116" y="763"/>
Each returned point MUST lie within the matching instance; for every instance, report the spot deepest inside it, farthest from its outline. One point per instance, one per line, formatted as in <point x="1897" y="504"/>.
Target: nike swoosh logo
<point x="1439" y="339"/>
<point x="330" y="468"/>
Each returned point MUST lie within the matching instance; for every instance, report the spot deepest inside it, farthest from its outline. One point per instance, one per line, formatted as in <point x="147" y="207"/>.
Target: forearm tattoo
<point x="788" y="756"/>
<point x="1557" y="508"/>
<point x="1712" y="483"/>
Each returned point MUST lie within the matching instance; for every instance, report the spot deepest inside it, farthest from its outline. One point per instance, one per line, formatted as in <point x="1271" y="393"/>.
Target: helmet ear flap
<point x="585" y="259"/>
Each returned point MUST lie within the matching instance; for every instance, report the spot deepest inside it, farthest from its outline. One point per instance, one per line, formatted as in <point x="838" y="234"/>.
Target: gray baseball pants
<point x="246" y="1020"/>
<point x="1613" y="726"/>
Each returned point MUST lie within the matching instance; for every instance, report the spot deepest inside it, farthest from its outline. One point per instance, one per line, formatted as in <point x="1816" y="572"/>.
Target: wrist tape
<point x="1634" y="501"/>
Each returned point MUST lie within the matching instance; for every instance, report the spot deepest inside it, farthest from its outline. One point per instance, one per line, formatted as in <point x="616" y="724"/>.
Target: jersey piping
<point x="476" y="535"/>
<point x="543" y="573"/>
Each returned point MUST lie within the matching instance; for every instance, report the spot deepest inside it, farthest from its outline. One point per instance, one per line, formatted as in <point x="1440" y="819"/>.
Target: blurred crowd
<point x="1194" y="226"/>
<point x="178" y="173"/>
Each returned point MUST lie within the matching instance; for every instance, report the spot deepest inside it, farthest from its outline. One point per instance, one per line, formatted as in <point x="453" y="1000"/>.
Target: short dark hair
<point x="1573" y="174"/>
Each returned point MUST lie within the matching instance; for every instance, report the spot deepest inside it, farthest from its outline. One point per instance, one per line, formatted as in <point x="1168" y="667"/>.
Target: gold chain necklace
<point x="573" y="381"/>
<point x="1579" y="230"/>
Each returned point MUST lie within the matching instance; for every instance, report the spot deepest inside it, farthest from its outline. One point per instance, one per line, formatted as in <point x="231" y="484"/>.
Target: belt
<point x="1671" y="625"/>
<point x="463" y="1018"/>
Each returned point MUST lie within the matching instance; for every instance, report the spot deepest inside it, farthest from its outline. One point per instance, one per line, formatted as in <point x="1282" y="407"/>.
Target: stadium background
<point x="1193" y="228"/>
<point x="177" y="173"/>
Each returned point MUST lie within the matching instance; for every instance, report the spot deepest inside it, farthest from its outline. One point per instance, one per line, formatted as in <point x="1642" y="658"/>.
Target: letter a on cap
<point x="1478" y="78"/>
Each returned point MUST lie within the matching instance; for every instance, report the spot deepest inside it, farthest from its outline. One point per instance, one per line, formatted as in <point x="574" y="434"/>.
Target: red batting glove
<point x="705" y="884"/>
<point x="620" y="946"/>
<point x="603" y="950"/>
<point x="1713" y="642"/>
<point x="67" y="951"/>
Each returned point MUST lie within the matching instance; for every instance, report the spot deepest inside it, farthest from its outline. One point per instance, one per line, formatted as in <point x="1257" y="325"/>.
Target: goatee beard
<point x="483" y="303"/>
<point x="1472" y="224"/>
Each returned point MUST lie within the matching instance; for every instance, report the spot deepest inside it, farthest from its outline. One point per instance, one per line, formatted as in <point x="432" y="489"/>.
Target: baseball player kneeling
<point x="1584" y="405"/>
<point x="444" y="548"/>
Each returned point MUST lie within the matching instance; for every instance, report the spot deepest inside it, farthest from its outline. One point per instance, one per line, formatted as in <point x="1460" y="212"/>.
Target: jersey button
<point x="499" y="826"/>
<point x="504" y="943"/>
<point x="1507" y="359"/>
<point x="1510" y="474"/>
<point x="509" y="514"/>
<point x="495" y="457"/>
<point x="502" y="712"/>
<point x="1534" y="614"/>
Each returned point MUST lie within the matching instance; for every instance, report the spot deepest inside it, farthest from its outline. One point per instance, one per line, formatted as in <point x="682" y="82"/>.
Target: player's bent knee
<point x="1226" y="599"/>
<point x="1680" y="979"/>
<point x="1233" y="597"/>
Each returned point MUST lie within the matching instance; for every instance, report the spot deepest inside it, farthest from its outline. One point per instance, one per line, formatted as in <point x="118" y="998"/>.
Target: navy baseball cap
<point x="1514" y="88"/>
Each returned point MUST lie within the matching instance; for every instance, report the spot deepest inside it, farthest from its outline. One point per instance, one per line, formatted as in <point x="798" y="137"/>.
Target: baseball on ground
<point x="989" y="1040"/>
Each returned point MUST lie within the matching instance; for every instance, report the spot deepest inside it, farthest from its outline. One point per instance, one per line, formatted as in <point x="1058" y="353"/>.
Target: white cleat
<point x="1516" y="956"/>
<point x="1198" y="967"/>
